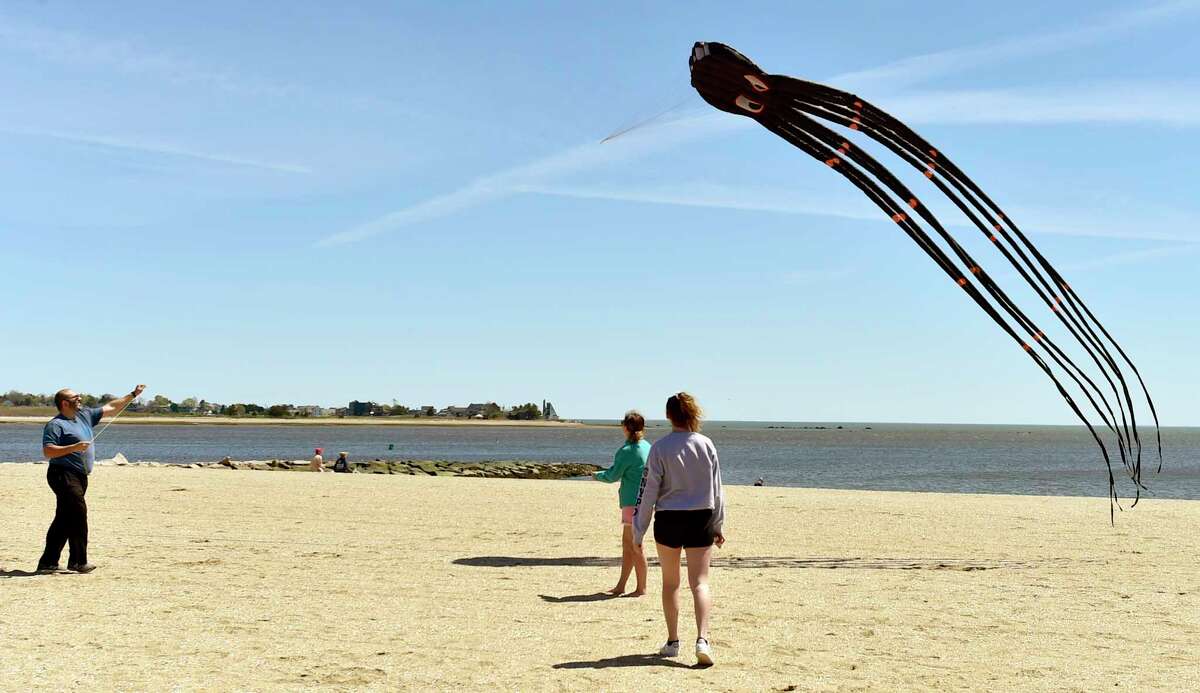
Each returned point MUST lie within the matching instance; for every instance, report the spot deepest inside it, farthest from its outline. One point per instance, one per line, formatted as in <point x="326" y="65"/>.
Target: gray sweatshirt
<point x="682" y="473"/>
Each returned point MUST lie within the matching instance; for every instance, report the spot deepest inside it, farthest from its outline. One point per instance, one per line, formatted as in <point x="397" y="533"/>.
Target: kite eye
<point x="756" y="84"/>
<point x="748" y="105"/>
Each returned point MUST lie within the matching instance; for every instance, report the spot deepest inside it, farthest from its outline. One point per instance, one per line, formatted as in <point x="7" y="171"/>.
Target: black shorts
<point x="689" y="529"/>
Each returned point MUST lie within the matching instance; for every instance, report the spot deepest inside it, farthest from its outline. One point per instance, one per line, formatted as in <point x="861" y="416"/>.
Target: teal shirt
<point x="627" y="467"/>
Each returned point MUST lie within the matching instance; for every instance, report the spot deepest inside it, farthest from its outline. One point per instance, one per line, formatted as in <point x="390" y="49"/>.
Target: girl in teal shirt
<point x="627" y="467"/>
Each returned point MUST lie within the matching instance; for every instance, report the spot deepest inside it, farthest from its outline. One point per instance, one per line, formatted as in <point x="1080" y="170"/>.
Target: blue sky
<point x="308" y="203"/>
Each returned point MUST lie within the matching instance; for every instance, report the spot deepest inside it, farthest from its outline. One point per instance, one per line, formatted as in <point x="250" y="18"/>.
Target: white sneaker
<point x="704" y="653"/>
<point x="671" y="649"/>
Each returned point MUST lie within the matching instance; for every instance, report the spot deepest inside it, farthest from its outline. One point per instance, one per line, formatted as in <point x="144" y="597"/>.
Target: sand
<point x="242" y="580"/>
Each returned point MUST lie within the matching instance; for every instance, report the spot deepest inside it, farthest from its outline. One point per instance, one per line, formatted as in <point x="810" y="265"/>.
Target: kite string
<point x="622" y="131"/>
<point x="110" y="421"/>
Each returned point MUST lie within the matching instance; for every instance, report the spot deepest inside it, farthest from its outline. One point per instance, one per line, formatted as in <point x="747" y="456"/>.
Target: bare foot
<point x="618" y="590"/>
<point x="637" y="593"/>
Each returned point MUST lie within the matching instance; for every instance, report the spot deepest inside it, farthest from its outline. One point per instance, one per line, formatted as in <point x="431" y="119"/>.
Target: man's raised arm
<point x="121" y="402"/>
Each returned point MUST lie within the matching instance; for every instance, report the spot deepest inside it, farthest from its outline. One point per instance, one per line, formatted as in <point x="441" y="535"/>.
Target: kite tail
<point x="931" y="161"/>
<point x="731" y="82"/>
<point x="810" y="145"/>
<point x="815" y="99"/>
<point x="845" y="150"/>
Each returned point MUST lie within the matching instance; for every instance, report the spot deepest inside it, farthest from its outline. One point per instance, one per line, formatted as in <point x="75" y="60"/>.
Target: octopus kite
<point x="790" y="107"/>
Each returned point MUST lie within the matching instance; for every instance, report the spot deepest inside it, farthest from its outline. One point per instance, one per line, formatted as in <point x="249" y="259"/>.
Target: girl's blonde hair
<point x="684" y="412"/>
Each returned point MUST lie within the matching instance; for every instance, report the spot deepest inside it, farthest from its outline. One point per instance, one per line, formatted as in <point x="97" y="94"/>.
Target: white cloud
<point x="1132" y="257"/>
<point x="1176" y="104"/>
<point x="158" y="148"/>
<point x="912" y="70"/>
<point x="511" y="181"/>
<point x="78" y="50"/>
<point x="1091" y="104"/>
<point x="1178" y="227"/>
<point x="701" y="194"/>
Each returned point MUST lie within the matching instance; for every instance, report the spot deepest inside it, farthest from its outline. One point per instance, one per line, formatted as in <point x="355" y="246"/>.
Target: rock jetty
<point x="499" y="469"/>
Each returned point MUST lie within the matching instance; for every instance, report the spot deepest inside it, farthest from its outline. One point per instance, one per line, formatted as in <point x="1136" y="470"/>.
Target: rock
<point x="226" y="462"/>
<point x="117" y="460"/>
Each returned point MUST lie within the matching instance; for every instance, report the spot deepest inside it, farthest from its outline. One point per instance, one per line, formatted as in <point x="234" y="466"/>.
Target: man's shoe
<point x="704" y="653"/>
<point x="84" y="568"/>
<point x="48" y="569"/>
<point x="671" y="649"/>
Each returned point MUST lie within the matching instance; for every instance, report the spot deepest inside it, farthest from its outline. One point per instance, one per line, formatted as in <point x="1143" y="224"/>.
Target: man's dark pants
<point x="70" y="517"/>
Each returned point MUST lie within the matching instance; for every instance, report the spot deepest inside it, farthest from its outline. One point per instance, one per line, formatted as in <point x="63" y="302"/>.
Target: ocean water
<point x="1037" y="460"/>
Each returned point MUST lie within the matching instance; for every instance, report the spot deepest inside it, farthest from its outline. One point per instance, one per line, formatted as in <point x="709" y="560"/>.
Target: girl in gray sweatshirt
<point x="681" y="490"/>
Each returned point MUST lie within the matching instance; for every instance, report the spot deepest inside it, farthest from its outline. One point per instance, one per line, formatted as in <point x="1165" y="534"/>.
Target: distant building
<point x="357" y="408"/>
<point x="310" y="410"/>
<point x="457" y="412"/>
<point x="548" y="412"/>
<point x="475" y="409"/>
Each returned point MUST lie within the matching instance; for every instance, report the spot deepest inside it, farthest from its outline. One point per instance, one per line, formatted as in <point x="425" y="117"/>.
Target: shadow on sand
<point x="594" y="597"/>
<point x="18" y="573"/>
<point x="759" y="562"/>
<point x="635" y="660"/>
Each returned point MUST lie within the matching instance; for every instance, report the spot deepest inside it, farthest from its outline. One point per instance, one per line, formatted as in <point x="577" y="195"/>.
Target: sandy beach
<point x="245" y="580"/>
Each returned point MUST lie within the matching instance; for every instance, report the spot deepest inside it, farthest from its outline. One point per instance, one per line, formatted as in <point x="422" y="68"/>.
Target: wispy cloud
<point x="920" y="68"/>
<point x="1181" y="229"/>
<point x="809" y="277"/>
<point x="1132" y="257"/>
<point x="79" y="50"/>
<point x="1176" y="104"/>
<point x="512" y="181"/>
<point x="702" y="194"/>
<point x="158" y="149"/>
<point x="1100" y="103"/>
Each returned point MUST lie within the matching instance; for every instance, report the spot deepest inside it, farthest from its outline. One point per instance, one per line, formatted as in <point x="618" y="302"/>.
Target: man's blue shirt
<point x="63" y="431"/>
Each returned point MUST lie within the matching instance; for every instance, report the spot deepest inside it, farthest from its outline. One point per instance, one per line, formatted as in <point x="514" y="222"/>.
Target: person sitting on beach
<point x="317" y="463"/>
<point x="628" y="464"/>
<point x="682" y="490"/>
<point x="342" y="464"/>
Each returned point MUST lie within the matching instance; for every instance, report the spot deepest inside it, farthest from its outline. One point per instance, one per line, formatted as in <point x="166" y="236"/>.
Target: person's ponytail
<point x="684" y="411"/>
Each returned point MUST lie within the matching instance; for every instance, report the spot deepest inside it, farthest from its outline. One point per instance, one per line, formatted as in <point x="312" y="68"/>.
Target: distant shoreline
<point x="313" y="421"/>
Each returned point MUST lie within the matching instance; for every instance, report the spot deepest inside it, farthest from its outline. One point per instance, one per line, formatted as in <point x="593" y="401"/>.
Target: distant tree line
<point x="161" y="404"/>
<point x="15" y="398"/>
